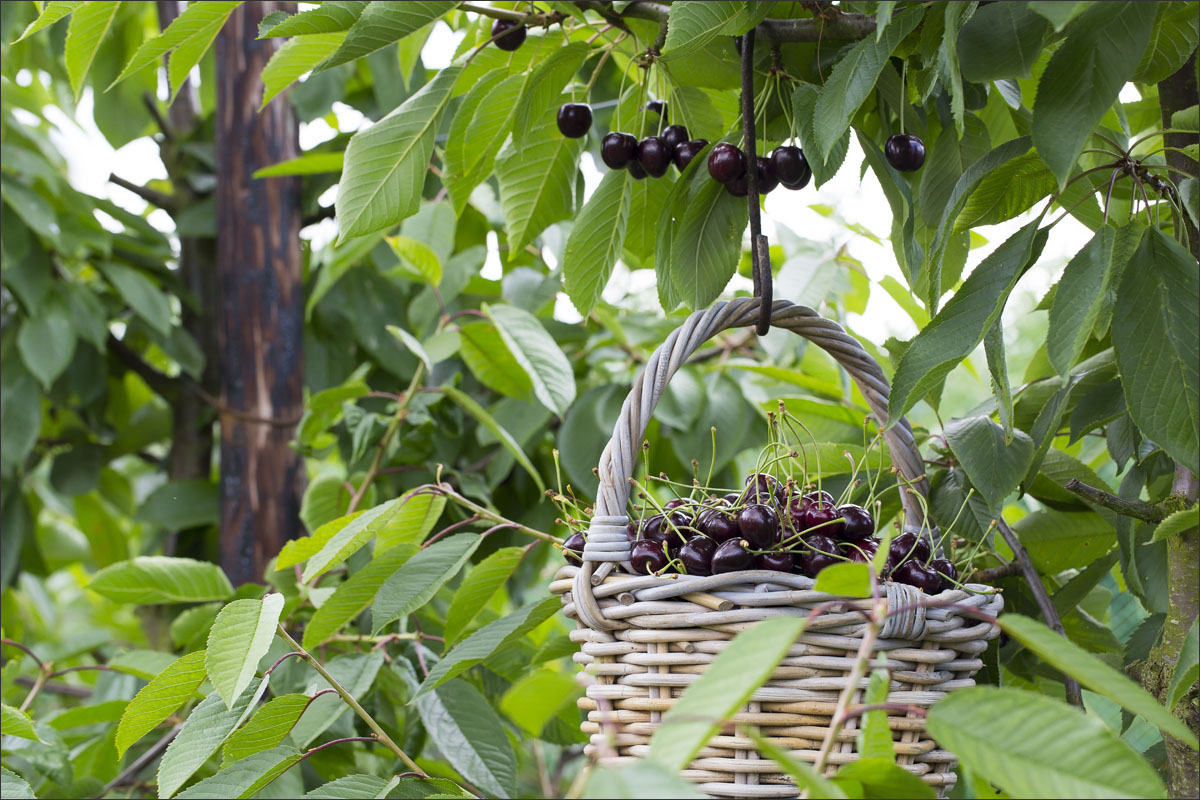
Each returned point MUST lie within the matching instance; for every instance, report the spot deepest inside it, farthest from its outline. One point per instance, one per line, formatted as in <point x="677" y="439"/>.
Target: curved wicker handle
<point x="606" y="537"/>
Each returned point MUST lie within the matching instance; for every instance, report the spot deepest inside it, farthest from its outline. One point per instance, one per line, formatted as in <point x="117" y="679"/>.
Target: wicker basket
<point x="645" y="639"/>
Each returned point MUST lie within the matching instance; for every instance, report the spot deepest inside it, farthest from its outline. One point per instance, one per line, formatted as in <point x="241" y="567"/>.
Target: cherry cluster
<point x="653" y="155"/>
<point x="771" y="526"/>
<point x="786" y="167"/>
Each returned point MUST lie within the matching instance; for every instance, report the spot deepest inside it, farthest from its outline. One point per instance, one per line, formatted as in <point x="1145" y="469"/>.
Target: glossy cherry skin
<point x="918" y="575"/>
<point x="778" y="561"/>
<point x="767" y="181"/>
<point x="718" y="525"/>
<point x="905" y="152"/>
<point x="726" y="162"/>
<point x="658" y="107"/>
<point x="908" y="547"/>
<point x="945" y="569"/>
<point x="573" y="548"/>
<point x="674" y="135"/>
<point x="647" y="557"/>
<point x="697" y="555"/>
<point x="509" y="34"/>
<point x="731" y="556"/>
<point x="861" y="551"/>
<point x="733" y="498"/>
<point x="762" y="488"/>
<point x="684" y="153"/>
<point x="857" y="522"/>
<point x="759" y="525"/>
<point x="631" y="530"/>
<point x="635" y="169"/>
<point x="618" y="149"/>
<point x="654" y="156"/>
<point x="677" y="502"/>
<point x="824" y="518"/>
<point x="574" y="119"/>
<point x="820" y="551"/>
<point x="791" y="167"/>
<point x="820" y="498"/>
<point x="739" y="186"/>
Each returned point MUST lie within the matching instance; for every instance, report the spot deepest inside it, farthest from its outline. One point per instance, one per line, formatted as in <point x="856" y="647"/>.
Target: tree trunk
<point x="261" y="304"/>
<point x="1183" y="551"/>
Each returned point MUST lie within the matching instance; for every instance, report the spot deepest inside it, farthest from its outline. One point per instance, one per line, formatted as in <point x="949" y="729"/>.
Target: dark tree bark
<point x="261" y="323"/>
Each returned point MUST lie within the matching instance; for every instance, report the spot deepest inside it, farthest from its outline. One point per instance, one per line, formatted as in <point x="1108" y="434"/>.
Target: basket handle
<point x="606" y="537"/>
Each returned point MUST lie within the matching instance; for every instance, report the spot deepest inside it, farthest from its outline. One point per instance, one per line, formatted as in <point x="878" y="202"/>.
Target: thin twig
<point x="155" y="198"/>
<point x="1147" y="512"/>
<point x="28" y="652"/>
<point x="131" y="772"/>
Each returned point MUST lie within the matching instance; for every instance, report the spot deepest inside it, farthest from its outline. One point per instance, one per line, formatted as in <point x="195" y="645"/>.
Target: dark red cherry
<point x="778" y="561"/>
<point x="820" y="498"/>
<point x="676" y="537"/>
<point x="733" y="498"/>
<point x="684" y="153"/>
<point x="731" y="556"/>
<point x="726" y="162"/>
<point x="767" y="182"/>
<point x="759" y="525"/>
<point x="697" y="554"/>
<point x="718" y="525"/>
<point x="674" y="135"/>
<point x="635" y="169"/>
<point x="918" y="575"/>
<point x="508" y="34"/>
<point x="658" y="107"/>
<point x="618" y="149"/>
<point x="820" y="550"/>
<point x="861" y="551"/>
<point x="573" y="548"/>
<point x="574" y="119"/>
<point x="762" y="488"/>
<point x="648" y="557"/>
<point x="908" y="547"/>
<point x="654" y="156"/>
<point x="631" y="530"/>
<point x="791" y="167"/>
<point x="739" y="186"/>
<point x="676" y="503"/>
<point x="825" y="518"/>
<point x="945" y="569"/>
<point x="905" y="152"/>
<point x="857" y="522"/>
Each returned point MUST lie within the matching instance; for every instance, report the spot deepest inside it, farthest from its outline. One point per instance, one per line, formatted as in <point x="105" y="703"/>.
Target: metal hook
<point x="760" y="251"/>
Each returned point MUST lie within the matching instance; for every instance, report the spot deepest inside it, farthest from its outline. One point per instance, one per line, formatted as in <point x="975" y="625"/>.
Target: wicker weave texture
<point x="644" y="639"/>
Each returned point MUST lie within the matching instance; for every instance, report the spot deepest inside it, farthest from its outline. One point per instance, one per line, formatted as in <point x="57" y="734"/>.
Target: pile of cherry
<point x="770" y="526"/>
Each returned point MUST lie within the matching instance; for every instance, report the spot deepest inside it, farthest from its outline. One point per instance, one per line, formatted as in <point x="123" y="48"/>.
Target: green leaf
<point x="14" y="786"/>
<point x="239" y="638"/>
<point x="537" y="182"/>
<point x="387" y="162"/>
<point x="692" y="25"/>
<point x="487" y="640"/>
<point x="46" y="343"/>
<point x="148" y="580"/>
<point x="1085" y="290"/>
<point x="415" y="583"/>
<point x="1156" y="335"/>
<point x="1094" y="674"/>
<point x="490" y="360"/>
<point x="801" y="771"/>
<point x="1172" y="40"/>
<point x="804" y="101"/>
<point x="354" y="595"/>
<point x="159" y="698"/>
<point x="189" y="35"/>
<point x="1032" y="746"/>
<point x="419" y="511"/>
<point x="178" y="505"/>
<point x="481" y="123"/>
<point x="105" y="711"/>
<point x="14" y="722"/>
<point x="351" y="787"/>
<point x="966" y="184"/>
<point x="502" y="435"/>
<point x="267" y="728"/>
<point x="880" y="777"/>
<point x="707" y="239"/>
<point x="875" y="737"/>
<point x="993" y="347"/>
<point x="418" y="255"/>
<point x="845" y="580"/>
<point x="726" y="685"/>
<point x="86" y="31"/>
<point x="146" y="299"/>
<point x="412" y="344"/>
<point x="466" y="730"/>
<point x="382" y="24"/>
<point x="1002" y="40"/>
<point x="297" y="56"/>
<point x="537" y="353"/>
<point x="1179" y="522"/>
<point x="1059" y="12"/>
<point x="596" y="240"/>
<point x="853" y="79"/>
<point x="52" y="13"/>
<point x="339" y="542"/>
<point x="994" y="466"/>
<point x="355" y="674"/>
<point x="203" y="731"/>
<point x="331" y="16"/>
<point x="541" y="90"/>
<point x="480" y="585"/>
<point x="246" y="777"/>
<point x="959" y="327"/>
<point x="1084" y="76"/>
<point x="638" y="778"/>
<point x="307" y="164"/>
<point x="1058" y="540"/>
<point x="1009" y="190"/>
<point x="1187" y="668"/>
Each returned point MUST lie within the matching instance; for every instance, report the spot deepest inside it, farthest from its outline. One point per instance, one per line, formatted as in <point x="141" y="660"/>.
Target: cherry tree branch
<point x="1147" y="512"/>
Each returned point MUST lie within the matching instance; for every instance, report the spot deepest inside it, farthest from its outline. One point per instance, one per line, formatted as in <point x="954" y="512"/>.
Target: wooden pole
<point x="261" y="315"/>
